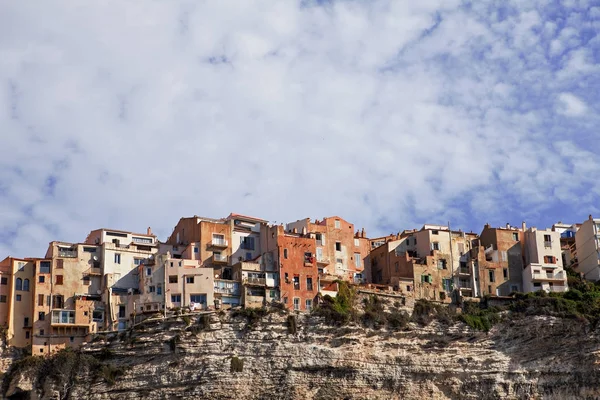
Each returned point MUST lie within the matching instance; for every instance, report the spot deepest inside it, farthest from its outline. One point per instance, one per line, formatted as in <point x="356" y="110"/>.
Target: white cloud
<point x="394" y="111"/>
<point x="571" y="105"/>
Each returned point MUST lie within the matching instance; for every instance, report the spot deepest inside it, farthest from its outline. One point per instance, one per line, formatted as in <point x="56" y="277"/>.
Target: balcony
<point x="67" y="253"/>
<point x="548" y="245"/>
<point x="548" y="276"/>
<point x="359" y="281"/>
<point x="322" y="261"/>
<point x="464" y="271"/>
<point x="219" y="259"/>
<point x="227" y="287"/>
<point x="217" y="244"/>
<point x="489" y="250"/>
<point x="255" y="281"/>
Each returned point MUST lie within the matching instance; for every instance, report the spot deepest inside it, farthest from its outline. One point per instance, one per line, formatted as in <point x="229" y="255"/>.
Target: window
<point x="59" y="279"/>
<point x="189" y="279"/>
<point x="141" y="240"/>
<point x="490" y="289"/>
<point x="151" y="289"/>
<point x="98" y="316"/>
<point x="285" y="253"/>
<point x="319" y="254"/>
<point x="309" y="283"/>
<point x="320" y="239"/>
<point x="63" y="317"/>
<point x="4" y="281"/>
<point x="87" y="280"/>
<point x="196" y="250"/>
<point x="117" y="258"/>
<point x="434" y="232"/>
<point x="57" y="301"/>
<point x="41" y="316"/>
<point x="218" y="240"/>
<point x="514" y="288"/>
<point x="308" y="258"/>
<point x="285" y="300"/>
<point x="27" y="335"/>
<point x="357" y="260"/>
<point x="537" y="284"/>
<point x="247" y="243"/>
<point x="441" y="264"/>
<point x="435" y="246"/>
<point x="172" y="278"/>
<point x="515" y="236"/>
<point x="159" y="289"/>
<point x="492" y="276"/>
<point x="339" y="261"/>
<point x="296" y="282"/>
<point x="338" y="246"/>
<point x="41" y="334"/>
<point x="19" y="284"/>
<point x="308" y="304"/>
<point x="296" y="303"/>
<point x="175" y="298"/>
<point x="18" y="297"/>
<point x="337" y="224"/>
<point x="426" y="278"/>
<point x="171" y="263"/>
<point x="26" y="285"/>
<point x="505" y="273"/>
<point x="549" y="260"/>
<point x="21" y="266"/>
<point x="2" y="298"/>
<point x="122" y="310"/>
<point x="138" y="261"/>
<point x="42" y="279"/>
<point x="356" y="242"/>
<point x="89" y="249"/>
<point x="447" y="284"/>
<point x="198" y="298"/>
<point x="40" y="299"/>
<point x="44" y="267"/>
<point x="248" y="256"/>
<point x="397" y="266"/>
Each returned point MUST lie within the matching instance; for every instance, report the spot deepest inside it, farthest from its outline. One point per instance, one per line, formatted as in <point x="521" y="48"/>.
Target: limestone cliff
<point x="225" y="358"/>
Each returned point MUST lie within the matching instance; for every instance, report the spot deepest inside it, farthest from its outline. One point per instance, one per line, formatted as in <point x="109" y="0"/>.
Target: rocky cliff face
<point x="534" y="357"/>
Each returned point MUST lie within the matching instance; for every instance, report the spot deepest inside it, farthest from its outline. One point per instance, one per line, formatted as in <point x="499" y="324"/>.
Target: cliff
<point x="223" y="356"/>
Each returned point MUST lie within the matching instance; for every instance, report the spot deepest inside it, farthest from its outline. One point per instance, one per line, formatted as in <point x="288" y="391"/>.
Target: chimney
<point x="590" y="217"/>
<point x="507" y="225"/>
<point x="362" y="233"/>
<point x="523" y="226"/>
<point x="303" y="230"/>
<point x="487" y="225"/>
<point x="149" y="231"/>
<point x="295" y="230"/>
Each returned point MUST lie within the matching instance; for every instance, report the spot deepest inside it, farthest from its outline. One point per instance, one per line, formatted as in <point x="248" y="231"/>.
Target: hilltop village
<point x="115" y="278"/>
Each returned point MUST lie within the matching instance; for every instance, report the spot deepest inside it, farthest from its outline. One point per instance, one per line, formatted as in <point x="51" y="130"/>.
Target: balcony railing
<point x="548" y="244"/>
<point x="222" y="243"/>
<point x="256" y="281"/>
<point x="225" y="290"/>
<point x="67" y="253"/>
<point x="464" y="271"/>
<point x="549" y="276"/>
<point x="296" y="286"/>
<point x="322" y="261"/>
<point x="219" y="258"/>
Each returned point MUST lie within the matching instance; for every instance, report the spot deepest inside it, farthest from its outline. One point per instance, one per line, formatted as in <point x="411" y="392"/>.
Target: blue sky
<point x="389" y="113"/>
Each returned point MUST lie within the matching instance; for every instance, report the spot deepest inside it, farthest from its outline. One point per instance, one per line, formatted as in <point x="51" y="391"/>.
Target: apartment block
<point x="17" y="294"/>
<point x="340" y="251"/>
<point x="544" y="263"/>
<point x="587" y="242"/>
<point x="498" y="260"/>
<point x="294" y="254"/>
<point x="259" y="286"/>
<point x="567" y="242"/>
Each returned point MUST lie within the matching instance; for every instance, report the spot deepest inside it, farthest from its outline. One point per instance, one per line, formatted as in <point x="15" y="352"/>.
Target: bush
<point x="426" y="311"/>
<point x="237" y="364"/>
<point x="186" y="319"/>
<point x="398" y="319"/>
<point x="253" y="315"/>
<point x="292" y="324"/>
<point x="338" y="310"/>
<point x="375" y="314"/>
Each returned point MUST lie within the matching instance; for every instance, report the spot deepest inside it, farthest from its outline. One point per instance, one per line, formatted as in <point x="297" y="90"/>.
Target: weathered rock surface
<point x="534" y="357"/>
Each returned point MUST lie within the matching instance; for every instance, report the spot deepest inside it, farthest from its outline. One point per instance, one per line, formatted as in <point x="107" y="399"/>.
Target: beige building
<point x="543" y="259"/>
<point x="259" y="287"/>
<point x="587" y="241"/>
<point x="20" y="274"/>
<point x="122" y="252"/>
<point x="187" y="283"/>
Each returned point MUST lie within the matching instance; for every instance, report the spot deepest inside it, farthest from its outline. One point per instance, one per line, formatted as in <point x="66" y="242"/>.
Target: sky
<point x="390" y="114"/>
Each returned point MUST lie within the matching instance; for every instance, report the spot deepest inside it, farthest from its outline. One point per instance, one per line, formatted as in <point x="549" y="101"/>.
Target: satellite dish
<point x="150" y="257"/>
<point x="95" y="258"/>
<point x="217" y="276"/>
<point x="99" y="291"/>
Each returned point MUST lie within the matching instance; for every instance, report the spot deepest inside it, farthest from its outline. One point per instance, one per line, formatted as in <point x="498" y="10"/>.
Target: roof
<point x="121" y="231"/>
<point x="233" y="215"/>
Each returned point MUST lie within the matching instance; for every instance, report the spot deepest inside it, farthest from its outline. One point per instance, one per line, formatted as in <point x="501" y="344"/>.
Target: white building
<point x="587" y="242"/>
<point x="543" y="259"/>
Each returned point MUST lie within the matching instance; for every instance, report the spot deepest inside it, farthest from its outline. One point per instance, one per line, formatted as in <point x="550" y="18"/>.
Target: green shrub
<point x="338" y="310"/>
<point x="253" y="315"/>
<point x="186" y="319"/>
<point x="237" y="364"/>
<point x="292" y="324"/>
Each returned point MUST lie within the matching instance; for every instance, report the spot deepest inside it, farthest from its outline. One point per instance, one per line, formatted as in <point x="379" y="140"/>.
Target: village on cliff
<point x="115" y="278"/>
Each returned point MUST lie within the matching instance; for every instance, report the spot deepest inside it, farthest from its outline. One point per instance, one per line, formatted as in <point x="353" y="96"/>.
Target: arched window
<point x="19" y="284"/>
<point x="26" y="285"/>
